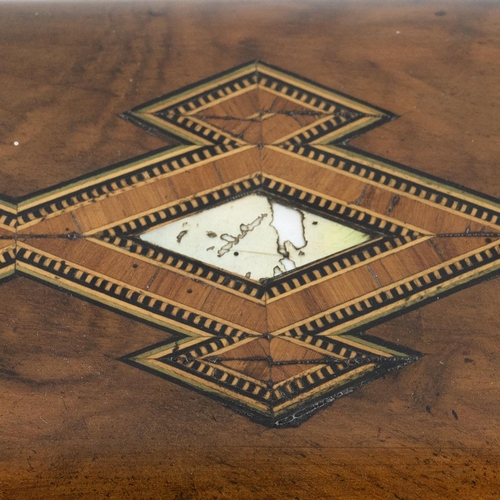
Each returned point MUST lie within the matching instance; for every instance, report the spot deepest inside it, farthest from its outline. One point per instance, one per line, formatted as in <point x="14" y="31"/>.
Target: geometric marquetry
<point x="7" y="239"/>
<point x="256" y="236"/>
<point x="281" y="345"/>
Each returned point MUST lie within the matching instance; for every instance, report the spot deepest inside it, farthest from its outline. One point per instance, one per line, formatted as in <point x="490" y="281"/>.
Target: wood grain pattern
<point x="79" y="424"/>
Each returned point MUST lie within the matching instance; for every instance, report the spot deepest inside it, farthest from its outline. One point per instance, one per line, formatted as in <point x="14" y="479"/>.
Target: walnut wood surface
<point x="76" y="423"/>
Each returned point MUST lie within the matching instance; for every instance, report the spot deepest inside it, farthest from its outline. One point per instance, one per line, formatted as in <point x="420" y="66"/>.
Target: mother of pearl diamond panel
<point x="255" y="236"/>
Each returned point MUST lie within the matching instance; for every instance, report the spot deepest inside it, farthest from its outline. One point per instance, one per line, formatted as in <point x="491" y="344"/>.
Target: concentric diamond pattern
<point x="255" y="236"/>
<point x="363" y="239"/>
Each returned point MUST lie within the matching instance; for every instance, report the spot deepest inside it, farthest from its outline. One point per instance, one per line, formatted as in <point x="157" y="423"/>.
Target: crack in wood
<point x="375" y="275"/>
<point x="268" y="359"/>
<point x="77" y="224"/>
<point x="392" y="205"/>
<point x="361" y="196"/>
<point x="469" y="234"/>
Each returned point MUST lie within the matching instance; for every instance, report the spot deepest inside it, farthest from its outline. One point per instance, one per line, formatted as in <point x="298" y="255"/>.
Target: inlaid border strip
<point x="205" y="91"/>
<point x="275" y="405"/>
<point x="120" y="295"/>
<point x="173" y="114"/>
<point x="391" y="236"/>
<point x="185" y="207"/>
<point x="192" y="129"/>
<point x="274" y="288"/>
<point x="8" y="219"/>
<point x="7" y="261"/>
<point x="401" y="294"/>
<point x="397" y="182"/>
<point x="103" y="185"/>
<point x="322" y="91"/>
<point x="245" y="385"/>
<point x="323" y="128"/>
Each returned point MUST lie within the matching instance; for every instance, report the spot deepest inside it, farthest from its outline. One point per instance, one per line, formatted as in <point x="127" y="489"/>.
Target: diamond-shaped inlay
<point x="270" y="360"/>
<point x="276" y="381"/>
<point x="257" y="105"/>
<point x="7" y="240"/>
<point x="263" y="244"/>
<point x="255" y="236"/>
<point x="260" y="115"/>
